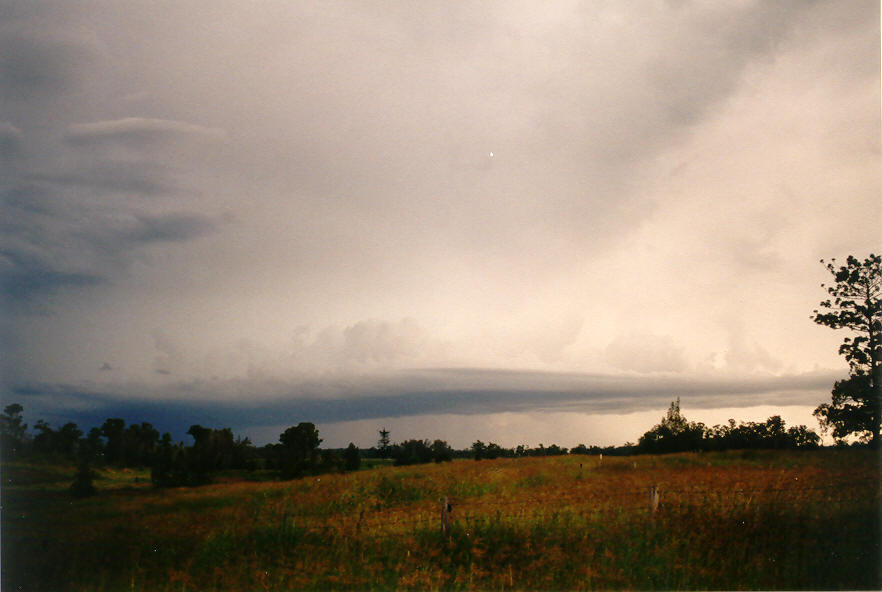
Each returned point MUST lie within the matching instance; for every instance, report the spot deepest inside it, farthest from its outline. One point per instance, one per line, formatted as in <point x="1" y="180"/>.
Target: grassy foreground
<point x="753" y="520"/>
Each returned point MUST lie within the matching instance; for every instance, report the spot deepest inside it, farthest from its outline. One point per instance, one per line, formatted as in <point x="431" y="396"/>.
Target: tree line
<point x="298" y="451"/>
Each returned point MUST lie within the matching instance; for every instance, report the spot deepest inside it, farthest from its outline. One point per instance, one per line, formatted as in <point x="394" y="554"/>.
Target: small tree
<point x="854" y="304"/>
<point x="352" y="458"/>
<point x="383" y="444"/>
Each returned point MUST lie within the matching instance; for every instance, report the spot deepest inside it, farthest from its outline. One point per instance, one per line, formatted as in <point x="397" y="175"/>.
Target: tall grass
<point x="789" y="520"/>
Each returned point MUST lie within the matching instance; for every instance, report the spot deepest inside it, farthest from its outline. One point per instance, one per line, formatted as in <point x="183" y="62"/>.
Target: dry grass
<point x="765" y="520"/>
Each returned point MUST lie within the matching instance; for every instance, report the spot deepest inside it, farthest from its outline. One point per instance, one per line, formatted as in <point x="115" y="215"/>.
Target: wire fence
<point x="639" y="504"/>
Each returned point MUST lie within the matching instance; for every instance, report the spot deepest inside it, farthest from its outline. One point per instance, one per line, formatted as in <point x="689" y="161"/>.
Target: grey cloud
<point x="11" y="141"/>
<point x="382" y="341"/>
<point x="136" y="132"/>
<point x="110" y="177"/>
<point x="645" y="353"/>
<point x="448" y="391"/>
<point x="31" y="68"/>
<point x="50" y="243"/>
<point x="24" y="278"/>
<point x="167" y="228"/>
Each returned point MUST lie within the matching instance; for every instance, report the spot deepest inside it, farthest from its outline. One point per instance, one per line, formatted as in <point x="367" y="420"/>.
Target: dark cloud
<point x="23" y="279"/>
<point x="51" y="243"/>
<point x="424" y="393"/>
<point x="167" y="228"/>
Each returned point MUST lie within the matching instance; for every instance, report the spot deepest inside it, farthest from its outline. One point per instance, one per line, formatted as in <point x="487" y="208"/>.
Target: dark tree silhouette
<point x="854" y="304"/>
<point x="383" y="444"/>
<point x="673" y="434"/>
<point x="352" y="458"/>
<point x="413" y="452"/>
<point x="12" y="431"/>
<point x="441" y="451"/>
<point x="478" y="449"/>
<point x="113" y="430"/>
<point x="299" y="449"/>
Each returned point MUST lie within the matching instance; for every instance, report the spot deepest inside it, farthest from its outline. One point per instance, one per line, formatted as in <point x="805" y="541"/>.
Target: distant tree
<point x="92" y="446"/>
<point x="441" y="451"/>
<point x="751" y="435"/>
<point x="139" y="442"/>
<point x="163" y="470"/>
<point x="299" y="449"/>
<point x="479" y="450"/>
<point x="62" y="442"/>
<point x="855" y="305"/>
<point x="413" y="452"/>
<point x="13" y="431"/>
<point x="673" y="434"/>
<point x="383" y="444"/>
<point x="493" y="450"/>
<point x="579" y="449"/>
<point x="352" y="458"/>
<point x="68" y="438"/>
<point x="112" y="430"/>
<point x="802" y="437"/>
<point x="555" y="450"/>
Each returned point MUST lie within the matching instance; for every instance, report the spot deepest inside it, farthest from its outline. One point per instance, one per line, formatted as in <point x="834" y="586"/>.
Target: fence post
<point x="445" y="516"/>
<point x="653" y="499"/>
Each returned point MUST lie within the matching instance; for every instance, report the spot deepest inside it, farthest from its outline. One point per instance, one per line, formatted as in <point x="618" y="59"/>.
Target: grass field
<point x="751" y="520"/>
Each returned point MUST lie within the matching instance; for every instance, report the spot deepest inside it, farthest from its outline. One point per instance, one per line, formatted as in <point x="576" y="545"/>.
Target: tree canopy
<point x="854" y="304"/>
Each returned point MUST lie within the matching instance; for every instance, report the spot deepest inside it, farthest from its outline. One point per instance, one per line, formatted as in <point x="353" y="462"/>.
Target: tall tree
<point x="384" y="443"/>
<point x="299" y="449"/>
<point x="854" y="304"/>
<point x="13" y="430"/>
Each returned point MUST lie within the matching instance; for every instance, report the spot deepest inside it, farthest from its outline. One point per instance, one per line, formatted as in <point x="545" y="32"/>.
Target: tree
<point x="413" y="452"/>
<point x="112" y="430"/>
<point x="12" y="430"/>
<point x="673" y="434"/>
<point x="441" y="451"/>
<point x="299" y="449"/>
<point x="383" y="443"/>
<point x="854" y="304"/>
<point x="352" y="458"/>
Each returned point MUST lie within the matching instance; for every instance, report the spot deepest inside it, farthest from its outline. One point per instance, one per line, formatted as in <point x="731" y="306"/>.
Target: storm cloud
<point x="341" y="213"/>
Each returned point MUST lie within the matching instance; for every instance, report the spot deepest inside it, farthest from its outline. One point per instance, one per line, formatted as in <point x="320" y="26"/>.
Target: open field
<point x="737" y="520"/>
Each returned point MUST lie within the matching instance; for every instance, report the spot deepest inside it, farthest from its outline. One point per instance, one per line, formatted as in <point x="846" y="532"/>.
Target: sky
<point x="512" y="221"/>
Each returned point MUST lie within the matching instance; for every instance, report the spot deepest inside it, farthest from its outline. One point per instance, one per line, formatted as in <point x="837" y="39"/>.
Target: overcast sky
<point x="518" y="221"/>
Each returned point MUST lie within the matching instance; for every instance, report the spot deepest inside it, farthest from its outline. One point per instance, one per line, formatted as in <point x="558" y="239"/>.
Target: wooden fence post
<point x="445" y="516"/>
<point x="653" y="499"/>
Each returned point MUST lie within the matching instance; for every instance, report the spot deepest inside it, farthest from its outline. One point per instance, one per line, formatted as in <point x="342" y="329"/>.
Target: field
<point x="736" y="520"/>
